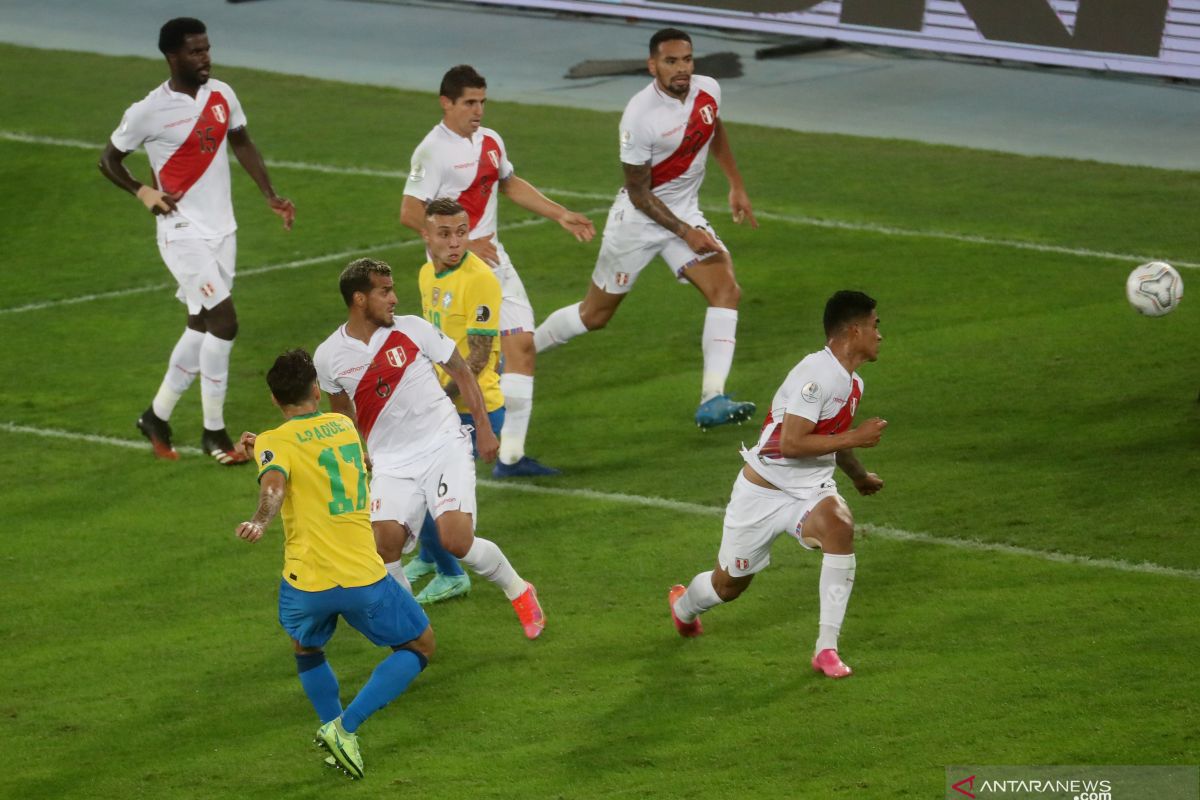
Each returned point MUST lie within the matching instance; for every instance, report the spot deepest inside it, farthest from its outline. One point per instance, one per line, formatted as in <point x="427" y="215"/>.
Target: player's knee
<point x="727" y="295"/>
<point x="389" y="540"/>
<point x="728" y="592"/>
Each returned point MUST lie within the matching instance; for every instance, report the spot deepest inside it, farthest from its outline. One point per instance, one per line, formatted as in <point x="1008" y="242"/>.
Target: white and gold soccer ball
<point x="1154" y="289"/>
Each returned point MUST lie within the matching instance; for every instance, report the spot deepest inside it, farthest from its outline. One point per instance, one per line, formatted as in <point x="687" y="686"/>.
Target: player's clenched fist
<point x="250" y="531"/>
<point x="870" y="432"/>
<point x="157" y="201"/>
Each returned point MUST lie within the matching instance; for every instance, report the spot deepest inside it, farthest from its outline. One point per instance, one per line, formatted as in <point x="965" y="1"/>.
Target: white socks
<point x="214" y="379"/>
<point x="837" y="581"/>
<point x="486" y="559"/>
<point x="699" y="597"/>
<point x="558" y="328"/>
<point x="518" y="407"/>
<point x="717" y="343"/>
<point x="181" y="371"/>
<point x="396" y="570"/>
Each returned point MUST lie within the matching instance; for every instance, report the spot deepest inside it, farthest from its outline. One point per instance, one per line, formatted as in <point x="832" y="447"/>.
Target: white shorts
<point x="632" y="240"/>
<point x="754" y="519"/>
<point x="516" y="312"/>
<point x="444" y="481"/>
<point x="204" y="269"/>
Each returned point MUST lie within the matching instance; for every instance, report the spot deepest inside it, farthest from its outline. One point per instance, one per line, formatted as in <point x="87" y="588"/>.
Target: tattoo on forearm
<point x="269" y="503"/>
<point x="637" y="183"/>
<point x="480" y="350"/>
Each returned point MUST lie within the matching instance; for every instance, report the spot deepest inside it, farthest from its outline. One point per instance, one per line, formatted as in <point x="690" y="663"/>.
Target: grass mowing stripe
<point x="817" y="222"/>
<point x="882" y="531"/>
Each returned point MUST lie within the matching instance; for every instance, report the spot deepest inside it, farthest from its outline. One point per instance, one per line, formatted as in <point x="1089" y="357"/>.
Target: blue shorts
<point x="495" y="417"/>
<point x="382" y="611"/>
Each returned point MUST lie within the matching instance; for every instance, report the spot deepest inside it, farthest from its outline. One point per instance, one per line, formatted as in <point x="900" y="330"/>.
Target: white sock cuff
<point x="516" y="387"/>
<point x="721" y="314"/>
<point x="838" y="561"/>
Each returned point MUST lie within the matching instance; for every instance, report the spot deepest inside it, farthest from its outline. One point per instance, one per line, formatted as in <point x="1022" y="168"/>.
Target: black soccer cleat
<point x="159" y="434"/>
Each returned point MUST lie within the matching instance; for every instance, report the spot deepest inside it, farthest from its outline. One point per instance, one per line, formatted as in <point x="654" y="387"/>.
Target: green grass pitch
<point x="1029" y="408"/>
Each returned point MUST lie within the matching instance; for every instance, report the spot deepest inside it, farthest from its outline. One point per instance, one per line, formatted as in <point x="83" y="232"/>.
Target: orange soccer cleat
<point x="688" y="630"/>
<point x="529" y="611"/>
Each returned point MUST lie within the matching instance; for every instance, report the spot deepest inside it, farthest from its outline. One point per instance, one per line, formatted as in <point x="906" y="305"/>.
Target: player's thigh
<point x="449" y="486"/>
<point x="754" y="519"/>
<point x="384" y="612"/>
<point x="629" y="243"/>
<point x="308" y="617"/>
<point x="516" y="311"/>
<point x="195" y="267"/>
<point x="391" y="539"/>
<point x="398" y="498"/>
<point x="826" y="523"/>
<point x="686" y="264"/>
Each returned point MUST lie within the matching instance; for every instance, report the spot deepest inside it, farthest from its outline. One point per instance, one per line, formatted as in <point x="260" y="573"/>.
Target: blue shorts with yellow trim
<point x="382" y="611"/>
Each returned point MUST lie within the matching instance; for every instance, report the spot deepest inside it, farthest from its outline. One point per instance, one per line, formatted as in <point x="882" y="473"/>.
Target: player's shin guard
<point x="182" y="369"/>
<point x="486" y="559"/>
<point x="559" y="328"/>
<point x="837" y="581"/>
<point x="214" y="380"/>
<point x="320" y="684"/>
<point x="717" y="344"/>
<point x="387" y="682"/>
<point x="518" y="408"/>
<point x="699" y="597"/>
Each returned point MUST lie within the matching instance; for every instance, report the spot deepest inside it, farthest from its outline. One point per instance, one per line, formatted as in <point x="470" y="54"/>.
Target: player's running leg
<point x="390" y="538"/>
<point x="221" y="326"/>
<point x="450" y="580"/>
<point x="715" y="279"/>
<point x="831" y="524"/>
<point x="182" y="370"/>
<point x="516" y="383"/>
<point x="485" y="558"/>
<point x="707" y="590"/>
<point x="592" y="313"/>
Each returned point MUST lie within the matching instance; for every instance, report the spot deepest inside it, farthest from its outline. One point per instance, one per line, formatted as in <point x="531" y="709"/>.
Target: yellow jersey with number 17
<point x="326" y="521"/>
<point x="462" y="302"/>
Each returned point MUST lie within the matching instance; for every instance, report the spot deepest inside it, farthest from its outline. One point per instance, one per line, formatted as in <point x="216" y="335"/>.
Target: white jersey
<point x="403" y="412"/>
<point x="185" y="138"/>
<point x="448" y="165"/>
<point x="820" y="390"/>
<point x="672" y="137"/>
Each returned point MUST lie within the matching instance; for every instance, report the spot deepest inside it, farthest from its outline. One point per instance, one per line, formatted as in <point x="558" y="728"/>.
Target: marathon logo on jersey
<point x="810" y="392"/>
<point x="708" y="114"/>
<point x="483" y="314"/>
<point x="622" y="279"/>
<point x="218" y="112"/>
<point x="267" y="458"/>
<point x="396" y="357"/>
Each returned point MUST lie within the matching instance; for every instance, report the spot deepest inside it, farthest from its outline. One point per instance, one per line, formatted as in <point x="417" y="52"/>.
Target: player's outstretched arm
<point x="252" y="161"/>
<point x="112" y="166"/>
<point x="865" y="482"/>
<point x="526" y="195"/>
<point x="739" y="201"/>
<point x="638" y="185"/>
<point x="798" y="440"/>
<point x="272" y="488"/>
<point x="486" y="442"/>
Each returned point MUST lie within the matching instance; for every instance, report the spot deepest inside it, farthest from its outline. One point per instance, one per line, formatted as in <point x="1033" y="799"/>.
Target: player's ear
<point x="446" y="103"/>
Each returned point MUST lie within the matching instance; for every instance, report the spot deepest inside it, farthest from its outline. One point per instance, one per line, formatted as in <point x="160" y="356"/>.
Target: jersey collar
<point x="671" y="99"/>
<point x="837" y="363"/>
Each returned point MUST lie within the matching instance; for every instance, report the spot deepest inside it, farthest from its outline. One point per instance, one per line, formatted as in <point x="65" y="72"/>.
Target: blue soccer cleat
<point x="525" y="468"/>
<point x="721" y="410"/>
<point x="443" y="587"/>
<point x="418" y="568"/>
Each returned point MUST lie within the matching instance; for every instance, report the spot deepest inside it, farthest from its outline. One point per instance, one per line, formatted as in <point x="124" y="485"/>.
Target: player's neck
<point x="845" y="356"/>
<point x="464" y="134"/>
<point x="361" y="328"/>
<point x="303" y="410"/>
<point x="181" y="86"/>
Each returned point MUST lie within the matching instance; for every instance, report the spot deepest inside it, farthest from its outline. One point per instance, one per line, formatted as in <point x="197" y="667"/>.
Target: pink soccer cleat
<point x="688" y="630"/>
<point x="827" y="661"/>
<point x="529" y="611"/>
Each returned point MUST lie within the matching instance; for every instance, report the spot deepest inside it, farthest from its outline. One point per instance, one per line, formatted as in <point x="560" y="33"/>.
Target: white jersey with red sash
<point x="185" y="138"/>
<point x="820" y="390"/>
<point x="465" y="169"/>
<point x="403" y="412"/>
<point x="672" y="137"/>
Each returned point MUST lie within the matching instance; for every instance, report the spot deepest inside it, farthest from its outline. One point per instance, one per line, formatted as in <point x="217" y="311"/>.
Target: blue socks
<point x="433" y="552"/>
<point x="320" y="684"/>
<point x="387" y="682"/>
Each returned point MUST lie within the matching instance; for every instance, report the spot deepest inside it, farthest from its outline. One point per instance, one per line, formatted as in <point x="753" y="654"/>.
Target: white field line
<point x="881" y="531"/>
<point x="816" y="222"/>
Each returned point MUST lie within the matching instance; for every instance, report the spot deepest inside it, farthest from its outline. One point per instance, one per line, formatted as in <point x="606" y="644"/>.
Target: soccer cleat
<point x="218" y="445"/>
<point x="159" y="434"/>
<point x="418" y="568"/>
<point x="688" y="630"/>
<point x="526" y="467"/>
<point x="830" y="663"/>
<point x="443" y="587"/>
<point x="342" y="746"/>
<point x="529" y="611"/>
<point x="721" y="410"/>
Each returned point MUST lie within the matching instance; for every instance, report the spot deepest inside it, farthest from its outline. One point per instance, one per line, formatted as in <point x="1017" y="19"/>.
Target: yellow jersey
<point x="326" y="522"/>
<point x="461" y="302"/>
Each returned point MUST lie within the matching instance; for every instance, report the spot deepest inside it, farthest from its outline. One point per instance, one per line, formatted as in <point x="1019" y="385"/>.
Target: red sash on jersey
<point x="838" y="423"/>
<point x="700" y="127"/>
<point x="475" y="197"/>
<point x="382" y="378"/>
<point x="189" y="163"/>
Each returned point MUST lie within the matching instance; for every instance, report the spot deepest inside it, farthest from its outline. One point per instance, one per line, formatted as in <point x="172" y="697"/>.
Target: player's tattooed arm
<point x="479" y="350"/>
<point x="638" y="185"/>
<point x="486" y="442"/>
<point x="272" y="488"/>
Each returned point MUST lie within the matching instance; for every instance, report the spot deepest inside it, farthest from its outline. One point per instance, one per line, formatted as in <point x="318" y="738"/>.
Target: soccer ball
<point x="1154" y="289"/>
